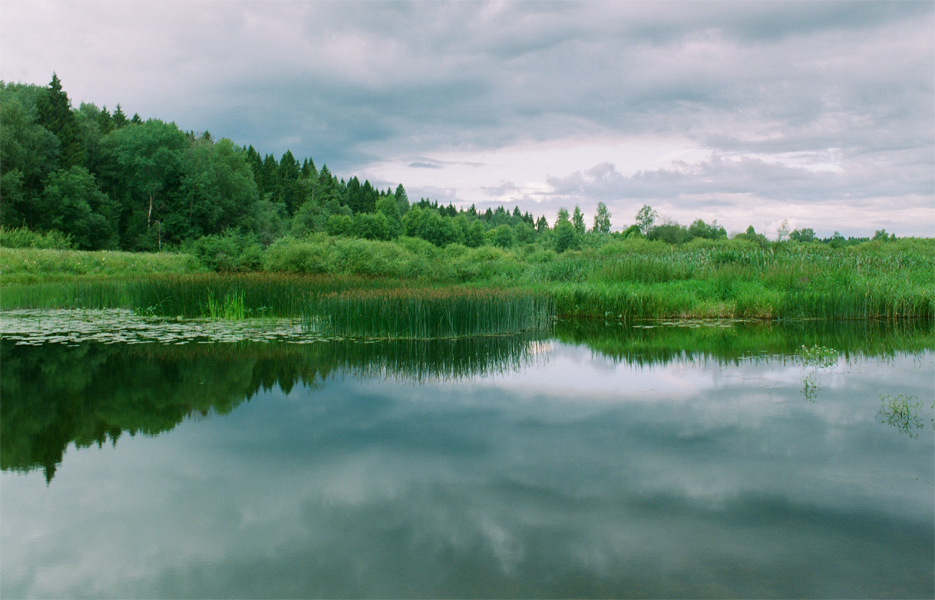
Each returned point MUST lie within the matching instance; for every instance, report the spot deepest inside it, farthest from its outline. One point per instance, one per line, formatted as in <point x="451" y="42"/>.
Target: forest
<point x="91" y="179"/>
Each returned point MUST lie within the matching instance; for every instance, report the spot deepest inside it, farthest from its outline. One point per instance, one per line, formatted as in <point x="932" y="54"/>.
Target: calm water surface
<point x="603" y="461"/>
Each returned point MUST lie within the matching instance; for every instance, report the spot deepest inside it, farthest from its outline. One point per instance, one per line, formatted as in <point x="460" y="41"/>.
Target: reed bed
<point x="629" y="279"/>
<point x="427" y="313"/>
<point x="85" y="293"/>
<point x="237" y="296"/>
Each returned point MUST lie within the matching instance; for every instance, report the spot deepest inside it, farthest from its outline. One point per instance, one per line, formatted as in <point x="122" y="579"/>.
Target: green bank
<point x="623" y="280"/>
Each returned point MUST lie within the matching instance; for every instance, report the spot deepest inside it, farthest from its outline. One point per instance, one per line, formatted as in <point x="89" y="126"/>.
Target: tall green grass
<point x="630" y="279"/>
<point x="407" y="313"/>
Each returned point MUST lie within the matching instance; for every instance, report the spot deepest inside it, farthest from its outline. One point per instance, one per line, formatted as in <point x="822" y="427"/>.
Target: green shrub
<point x="228" y="252"/>
<point x="22" y="237"/>
<point x="310" y="255"/>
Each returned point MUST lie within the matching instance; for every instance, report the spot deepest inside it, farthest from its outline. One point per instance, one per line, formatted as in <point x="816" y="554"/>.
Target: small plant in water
<point x="816" y="357"/>
<point x="230" y="308"/>
<point x="902" y="413"/>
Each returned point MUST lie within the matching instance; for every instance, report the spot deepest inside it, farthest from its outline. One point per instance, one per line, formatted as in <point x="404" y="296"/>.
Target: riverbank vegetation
<point x="626" y="279"/>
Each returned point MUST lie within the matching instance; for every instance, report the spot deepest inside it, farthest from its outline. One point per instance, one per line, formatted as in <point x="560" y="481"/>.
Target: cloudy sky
<point x="821" y="113"/>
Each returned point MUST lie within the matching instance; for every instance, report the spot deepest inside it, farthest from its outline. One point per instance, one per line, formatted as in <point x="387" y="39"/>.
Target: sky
<point x="821" y="114"/>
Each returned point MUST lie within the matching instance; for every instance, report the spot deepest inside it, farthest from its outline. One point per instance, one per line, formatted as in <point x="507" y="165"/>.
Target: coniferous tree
<point x="55" y="114"/>
<point x="287" y="178"/>
<point x="402" y="199"/>
<point x="119" y="118"/>
<point x="105" y="121"/>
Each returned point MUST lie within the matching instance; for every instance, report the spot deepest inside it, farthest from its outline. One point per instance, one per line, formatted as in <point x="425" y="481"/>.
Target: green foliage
<point x="20" y="237"/>
<point x="818" y="357"/>
<point x="804" y="235"/>
<point x="216" y="191"/>
<point x="705" y="278"/>
<point x="24" y="268"/>
<point x="340" y="225"/>
<point x="230" y="252"/>
<point x="55" y="114"/>
<point x="343" y="256"/>
<point x="475" y="235"/>
<point x="145" y="163"/>
<point x="57" y="396"/>
<point x="502" y="236"/>
<point x="565" y="236"/>
<point x="645" y="219"/>
<point x="427" y="313"/>
<point x="73" y="204"/>
<point x="577" y="220"/>
<point x="670" y="233"/>
<point x="287" y="254"/>
<point x="753" y="237"/>
<point x="389" y="208"/>
<point x="699" y="229"/>
<point x="28" y="153"/>
<point x="228" y="308"/>
<point x="602" y="219"/>
<point x="372" y="226"/>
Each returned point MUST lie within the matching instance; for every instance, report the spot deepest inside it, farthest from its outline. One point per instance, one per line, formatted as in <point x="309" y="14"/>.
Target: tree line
<point x="108" y="181"/>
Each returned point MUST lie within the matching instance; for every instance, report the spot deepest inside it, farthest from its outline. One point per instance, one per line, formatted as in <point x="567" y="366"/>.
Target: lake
<point x="145" y="458"/>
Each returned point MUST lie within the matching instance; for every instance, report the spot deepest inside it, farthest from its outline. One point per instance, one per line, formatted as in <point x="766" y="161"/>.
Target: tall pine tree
<point x="55" y="115"/>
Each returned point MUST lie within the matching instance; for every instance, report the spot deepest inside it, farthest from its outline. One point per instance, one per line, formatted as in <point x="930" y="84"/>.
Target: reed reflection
<point x="92" y="393"/>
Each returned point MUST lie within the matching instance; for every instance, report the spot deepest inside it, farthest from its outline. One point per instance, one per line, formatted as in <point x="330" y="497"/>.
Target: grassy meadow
<point x="361" y="287"/>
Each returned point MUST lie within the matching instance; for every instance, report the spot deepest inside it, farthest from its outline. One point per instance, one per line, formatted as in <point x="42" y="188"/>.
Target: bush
<point x="229" y="252"/>
<point x="309" y="255"/>
<point x="365" y="257"/>
<point x="22" y="237"/>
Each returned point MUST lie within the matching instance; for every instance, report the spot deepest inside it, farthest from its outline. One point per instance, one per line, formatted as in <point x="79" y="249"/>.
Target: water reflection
<point x="624" y="464"/>
<point x="92" y="393"/>
<point x="734" y="341"/>
<point x="904" y="413"/>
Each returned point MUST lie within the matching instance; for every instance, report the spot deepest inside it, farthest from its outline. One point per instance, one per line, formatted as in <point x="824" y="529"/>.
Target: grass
<point x="427" y="313"/>
<point x="229" y="308"/>
<point x="38" y="265"/>
<point x="627" y="280"/>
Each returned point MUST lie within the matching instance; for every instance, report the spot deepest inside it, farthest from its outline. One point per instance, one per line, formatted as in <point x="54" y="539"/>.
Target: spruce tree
<point x="55" y="114"/>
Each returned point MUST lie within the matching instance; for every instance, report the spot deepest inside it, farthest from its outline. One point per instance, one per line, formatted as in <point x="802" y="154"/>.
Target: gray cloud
<point x="352" y="84"/>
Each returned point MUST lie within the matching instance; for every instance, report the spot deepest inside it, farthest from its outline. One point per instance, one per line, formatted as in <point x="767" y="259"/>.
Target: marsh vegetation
<point x="627" y="280"/>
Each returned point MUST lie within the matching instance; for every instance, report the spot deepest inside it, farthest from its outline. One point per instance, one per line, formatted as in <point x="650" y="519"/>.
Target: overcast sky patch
<point x="793" y="104"/>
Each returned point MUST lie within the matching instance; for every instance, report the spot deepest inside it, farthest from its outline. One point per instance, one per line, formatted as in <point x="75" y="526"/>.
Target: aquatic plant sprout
<point x="902" y="413"/>
<point x="816" y="357"/>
